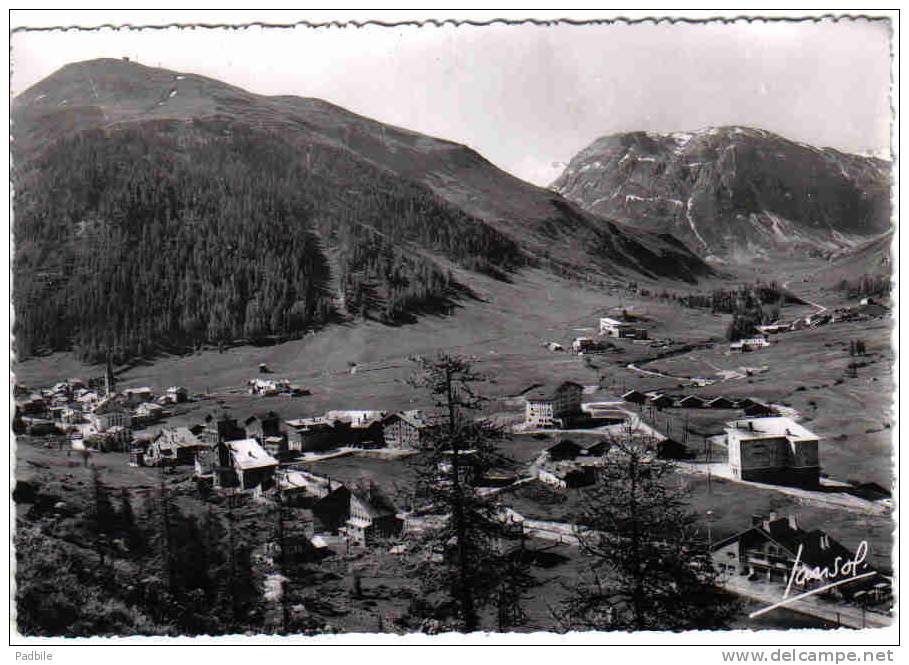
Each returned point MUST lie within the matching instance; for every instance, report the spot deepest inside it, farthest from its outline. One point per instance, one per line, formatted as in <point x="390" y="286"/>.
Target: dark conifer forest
<point x="171" y="234"/>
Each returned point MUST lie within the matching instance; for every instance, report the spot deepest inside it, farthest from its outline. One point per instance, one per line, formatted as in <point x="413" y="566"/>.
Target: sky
<point x="530" y="97"/>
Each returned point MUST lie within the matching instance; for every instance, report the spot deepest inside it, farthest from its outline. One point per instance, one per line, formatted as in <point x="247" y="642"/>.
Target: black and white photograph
<point x="453" y="330"/>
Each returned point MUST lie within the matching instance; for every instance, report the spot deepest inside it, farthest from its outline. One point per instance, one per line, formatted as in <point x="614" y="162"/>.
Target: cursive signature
<point x="841" y="568"/>
<point x="840" y="571"/>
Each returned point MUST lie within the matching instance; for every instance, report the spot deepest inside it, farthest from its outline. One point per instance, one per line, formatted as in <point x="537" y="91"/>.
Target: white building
<point x="773" y="450"/>
<point x="749" y="344"/>
<point x="552" y="405"/>
<point x="615" y="328"/>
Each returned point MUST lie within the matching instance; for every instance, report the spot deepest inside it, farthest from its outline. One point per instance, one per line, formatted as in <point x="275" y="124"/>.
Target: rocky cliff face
<point x="733" y="193"/>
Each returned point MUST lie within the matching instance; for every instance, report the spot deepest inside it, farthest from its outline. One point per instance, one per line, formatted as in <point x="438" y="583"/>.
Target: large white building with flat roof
<point x="773" y="450"/>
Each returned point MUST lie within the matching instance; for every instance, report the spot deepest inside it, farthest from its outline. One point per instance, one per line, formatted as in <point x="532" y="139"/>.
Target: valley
<point x="275" y="359"/>
<point x="505" y="330"/>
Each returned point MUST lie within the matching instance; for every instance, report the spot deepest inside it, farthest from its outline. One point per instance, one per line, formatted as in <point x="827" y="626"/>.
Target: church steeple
<point x="110" y="382"/>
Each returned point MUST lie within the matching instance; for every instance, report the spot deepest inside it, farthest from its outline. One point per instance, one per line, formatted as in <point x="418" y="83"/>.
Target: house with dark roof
<point x="404" y="430"/>
<point x="262" y="425"/>
<point x="564" y="450"/>
<point x="634" y="397"/>
<point x="660" y="400"/>
<point x="769" y="550"/>
<point x="332" y="511"/>
<point x="313" y="434"/>
<point x="172" y="447"/>
<point x="758" y="410"/>
<point x="598" y="449"/>
<point x="672" y="449"/>
<point x="720" y="403"/>
<point x="243" y="464"/>
<point x="567" y="476"/>
<point x="691" y="402"/>
<point x="552" y="404"/>
<point x="373" y="516"/>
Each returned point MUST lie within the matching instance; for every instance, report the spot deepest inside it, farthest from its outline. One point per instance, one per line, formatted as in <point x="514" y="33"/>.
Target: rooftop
<point x="762" y="428"/>
<point x="181" y="437"/>
<point x="248" y="454"/>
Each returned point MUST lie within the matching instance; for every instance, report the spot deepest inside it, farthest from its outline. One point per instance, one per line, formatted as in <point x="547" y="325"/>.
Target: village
<point x="560" y="436"/>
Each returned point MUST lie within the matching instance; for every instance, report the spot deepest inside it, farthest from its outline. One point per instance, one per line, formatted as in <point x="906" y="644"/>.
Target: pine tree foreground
<point x="470" y="558"/>
<point x="651" y="567"/>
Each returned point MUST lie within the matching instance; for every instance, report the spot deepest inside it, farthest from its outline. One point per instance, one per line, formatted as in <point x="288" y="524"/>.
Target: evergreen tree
<point x="651" y="567"/>
<point x="469" y="558"/>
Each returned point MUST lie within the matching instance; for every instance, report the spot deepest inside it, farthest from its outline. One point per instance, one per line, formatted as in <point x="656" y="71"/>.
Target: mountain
<point x="156" y="208"/>
<point x="870" y="260"/>
<point x="733" y="192"/>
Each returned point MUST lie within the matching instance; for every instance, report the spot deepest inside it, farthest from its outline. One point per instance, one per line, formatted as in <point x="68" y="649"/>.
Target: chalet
<point x="598" y="449"/>
<point x="276" y="446"/>
<point x="110" y="413"/>
<point x="749" y="344"/>
<point x="133" y="397"/>
<point x="660" y="400"/>
<point x="564" y="450"/>
<point x="586" y="345"/>
<point x="263" y="425"/>
<point x="404" y="430"/>
<point x="773" y="328"/>
<point x="372" y="516"/>
<point x="773" y="450"/>
<point x="567" y="476"/>
<point x="293" y="482"/>
<point x="497" y="478"/>
<point x="34" y="405"/>
<point x="312" y="434"/>
<point x="220" y="428"/>
<point x="626" y="329"/>
<point x="177" y="394"/>
<point x="243" y="464"/>
<point x="117" y="438"/>
<point x="148" y="412"/>
<point x="871" y="491"/>
<point x="552" y="405"/>
<point x="294" y="550"/>
<point x="634" y="397"/>
<point x="355" y="418"/>
<point x="672" y="449"/>
<point x="720" y="403"/>
<point x="758" y="410"/>
<point x="367" y="433"/>
<point x="745" y="402"/>
<point x="332" y="511"/>
<point x="172" y="447"/>
<point x="215" y="430"/>
<point x="554" y="346"/>
<point x="774" y="546"/>
<point x="691" y="402"/>
<point x="40" y="427"/>
<point x="604" y="416"/>
<point x="88" y="397"/>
